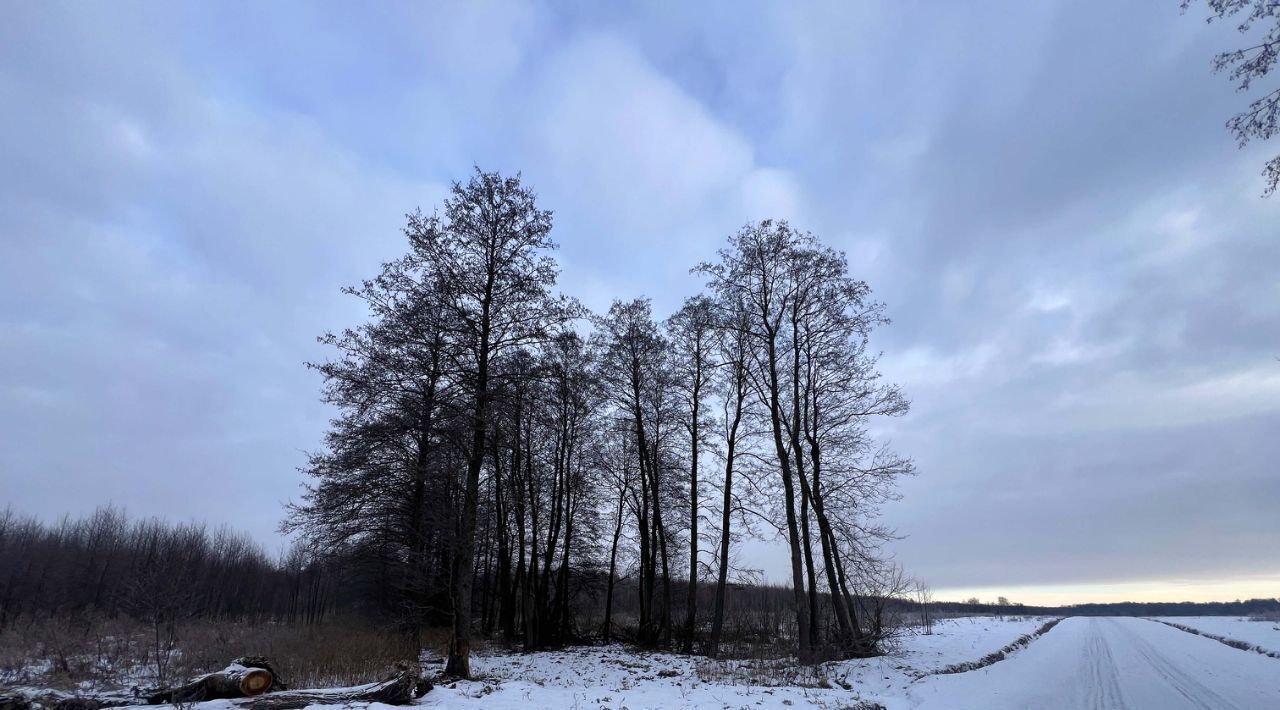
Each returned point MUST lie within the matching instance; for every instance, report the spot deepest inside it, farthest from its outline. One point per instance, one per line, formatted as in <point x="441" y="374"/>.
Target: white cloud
<point x="922" y="366"/>
<point x="1130" y="400"/>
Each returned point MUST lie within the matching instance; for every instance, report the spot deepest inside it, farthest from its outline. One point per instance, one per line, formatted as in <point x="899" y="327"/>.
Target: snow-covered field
<point x="616" y="677"/>
<point x="1257" y="633"/>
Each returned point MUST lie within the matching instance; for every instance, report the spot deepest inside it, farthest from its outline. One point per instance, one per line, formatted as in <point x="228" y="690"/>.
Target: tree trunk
<point x="459" y="663"/>
<point x="648" y="545"/>
<point x="691" y="606"/>
<point x="613" y="567"/>
<point x="803" y="648"/>
<point x="794" y="431"/>
<point x="815" y="636"/>
<point x="717" y="622"/>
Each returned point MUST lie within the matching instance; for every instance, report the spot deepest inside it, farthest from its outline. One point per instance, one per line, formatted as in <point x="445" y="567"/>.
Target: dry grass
<point x="326" y="655"/>
<point x="767" y="672"/>
<point x="102" y="654"/>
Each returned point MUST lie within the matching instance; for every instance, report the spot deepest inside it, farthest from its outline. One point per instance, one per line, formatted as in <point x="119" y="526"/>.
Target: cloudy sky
<point x="1084" y="281"/>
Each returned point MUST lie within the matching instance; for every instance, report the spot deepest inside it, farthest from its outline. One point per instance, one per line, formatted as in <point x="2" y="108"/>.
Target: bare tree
<point x="692" y="332"/>
<point x="732" y="344"/>
<point x="753" y="270"/>
<point x="488" y="253"/>
<point x="924" y="600"/>
<point x="1261" y="120"/>
<point x="633" y="363"/>
<point x="806" y="328"/>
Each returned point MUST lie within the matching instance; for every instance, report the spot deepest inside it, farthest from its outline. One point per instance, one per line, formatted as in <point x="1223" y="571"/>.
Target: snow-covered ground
<point x="1084" y="662"/>
<point x="1257" y="633"/>
<point x="617" y="677"/>
<point x="965" y="639"/>
<point x="1089" y="662"/>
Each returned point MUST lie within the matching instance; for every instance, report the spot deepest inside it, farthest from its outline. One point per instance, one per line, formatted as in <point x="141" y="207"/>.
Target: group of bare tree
<point x="509" y="450"/>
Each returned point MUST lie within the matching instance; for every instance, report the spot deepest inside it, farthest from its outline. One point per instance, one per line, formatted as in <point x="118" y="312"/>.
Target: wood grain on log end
<point x="255" y="682"/>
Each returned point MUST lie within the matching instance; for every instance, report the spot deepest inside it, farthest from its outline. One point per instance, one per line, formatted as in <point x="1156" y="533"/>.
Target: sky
<point x="1082" y="275"/>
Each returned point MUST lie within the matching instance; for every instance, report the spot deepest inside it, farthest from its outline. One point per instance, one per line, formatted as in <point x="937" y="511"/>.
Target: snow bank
<point x="1243" y="633"/>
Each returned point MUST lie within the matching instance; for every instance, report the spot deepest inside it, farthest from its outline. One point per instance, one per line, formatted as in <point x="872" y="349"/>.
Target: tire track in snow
<point x="1188" y="687"/>
<point x="1102" y="681"/>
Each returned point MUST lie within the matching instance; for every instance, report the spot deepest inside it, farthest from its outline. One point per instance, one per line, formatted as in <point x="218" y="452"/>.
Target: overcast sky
<point x="1084" y="281"/>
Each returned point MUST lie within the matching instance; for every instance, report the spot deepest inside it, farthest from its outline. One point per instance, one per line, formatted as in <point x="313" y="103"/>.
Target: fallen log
<point x="399" y="688"/>
<point x="243" y="678"/>
<point x="250" y="682"/>
<point x="33" y="699"/>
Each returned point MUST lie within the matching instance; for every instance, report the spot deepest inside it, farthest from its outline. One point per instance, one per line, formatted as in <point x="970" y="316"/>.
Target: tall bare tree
<point x="489" y="251"/>
<point x="633" y="354"/>
<point x="805" y="331"/>
<point x="692" y="335"/>
<point x="754" y="271"/>
<point x="731" y="342"/>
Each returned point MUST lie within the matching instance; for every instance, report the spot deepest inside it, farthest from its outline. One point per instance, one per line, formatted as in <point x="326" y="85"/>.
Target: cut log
<point x="234" y="681"/>
<point x="277" y="683"/>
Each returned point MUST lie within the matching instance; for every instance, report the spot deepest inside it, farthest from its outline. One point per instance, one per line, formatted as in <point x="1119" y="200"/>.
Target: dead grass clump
<point x="762" y="672"/>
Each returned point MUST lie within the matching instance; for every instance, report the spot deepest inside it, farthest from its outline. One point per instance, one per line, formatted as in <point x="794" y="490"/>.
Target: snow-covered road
<point x="1106" y="663"/>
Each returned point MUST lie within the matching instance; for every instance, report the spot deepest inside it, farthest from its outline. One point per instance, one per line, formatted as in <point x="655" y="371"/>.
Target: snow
<point x="965" y="639"/>
<point x="616" y="677"/>
<point x="1089" y="662"/>
<point x="612" y="677"/>
<point x="1265" y="634"/>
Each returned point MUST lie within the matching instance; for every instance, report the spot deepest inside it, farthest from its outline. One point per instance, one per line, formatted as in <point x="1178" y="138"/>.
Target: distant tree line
<point x="159" y="572"/>
<point x="1249" y="607"/>
<point x="508" y="453"/>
